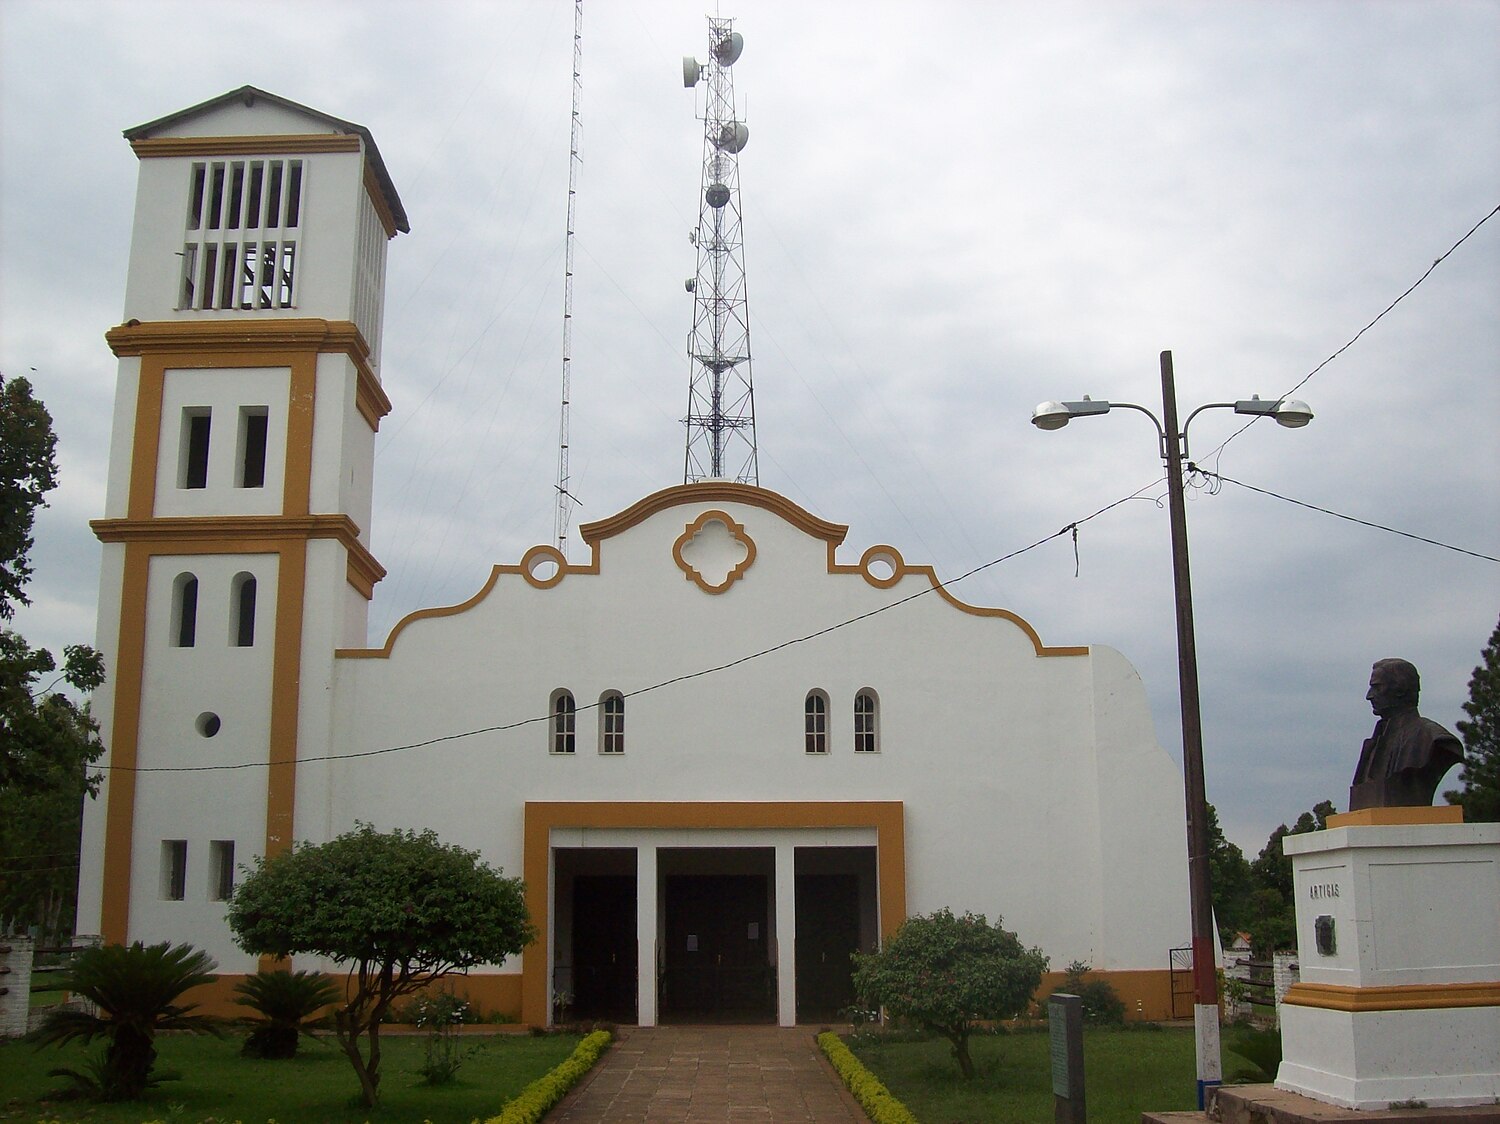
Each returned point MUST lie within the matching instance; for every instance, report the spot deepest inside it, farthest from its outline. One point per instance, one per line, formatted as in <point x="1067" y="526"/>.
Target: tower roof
<point x="248" y="96"/>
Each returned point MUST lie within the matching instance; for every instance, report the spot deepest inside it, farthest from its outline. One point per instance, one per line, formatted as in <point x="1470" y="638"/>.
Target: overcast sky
<point x="952" y="212"/>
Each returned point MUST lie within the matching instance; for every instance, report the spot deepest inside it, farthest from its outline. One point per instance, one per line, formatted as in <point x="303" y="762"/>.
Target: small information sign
<point x="1065" y="1021"/>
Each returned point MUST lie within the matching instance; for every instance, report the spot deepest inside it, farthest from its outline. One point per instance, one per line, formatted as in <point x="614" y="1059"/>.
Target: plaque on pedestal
<point x="1398" y="927"/>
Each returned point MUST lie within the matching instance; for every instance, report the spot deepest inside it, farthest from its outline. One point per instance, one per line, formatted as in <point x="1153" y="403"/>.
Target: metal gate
<point x="1180" y="969"/>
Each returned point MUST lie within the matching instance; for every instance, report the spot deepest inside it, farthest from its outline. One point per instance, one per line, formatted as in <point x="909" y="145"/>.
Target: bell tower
<point x="237" y="509"/>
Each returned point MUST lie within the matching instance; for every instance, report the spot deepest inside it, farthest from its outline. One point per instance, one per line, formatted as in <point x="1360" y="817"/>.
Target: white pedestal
<point x="1398" y="934"/>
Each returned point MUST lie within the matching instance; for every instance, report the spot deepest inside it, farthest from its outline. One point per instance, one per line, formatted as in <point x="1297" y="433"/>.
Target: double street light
<point x="1173" y="446"/>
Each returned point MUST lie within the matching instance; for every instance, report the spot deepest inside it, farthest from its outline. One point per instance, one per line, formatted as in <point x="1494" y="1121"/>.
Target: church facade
<point x="724" y="751"/>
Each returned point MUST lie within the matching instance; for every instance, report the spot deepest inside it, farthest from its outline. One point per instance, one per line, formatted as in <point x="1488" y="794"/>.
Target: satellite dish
<point x="690" y="70"/>
<point x="691" y="284"/>
<point x="732" y="137"/>
<point x="728" y="49"/>
<point x="717" y="195"/>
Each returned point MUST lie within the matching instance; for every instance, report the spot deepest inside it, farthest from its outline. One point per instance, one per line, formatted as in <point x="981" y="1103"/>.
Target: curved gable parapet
<point x="544" y="567"/>
<point x="713" y="491"/>
<point x="883" y="567"/>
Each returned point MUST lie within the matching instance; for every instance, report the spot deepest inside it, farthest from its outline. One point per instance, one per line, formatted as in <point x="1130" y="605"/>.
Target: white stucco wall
<point x="1033" y="785"/>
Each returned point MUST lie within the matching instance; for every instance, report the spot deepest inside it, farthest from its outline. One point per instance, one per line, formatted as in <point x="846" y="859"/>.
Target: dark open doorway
<point x="594" y="927"/>
<point x="827" y="932"/>
<point x="604" y="947"/>
<point x="835" y="917"/>
<point x="716" y="937"/>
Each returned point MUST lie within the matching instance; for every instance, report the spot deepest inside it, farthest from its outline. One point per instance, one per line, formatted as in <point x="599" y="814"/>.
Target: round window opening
<point x="208" y="724"/>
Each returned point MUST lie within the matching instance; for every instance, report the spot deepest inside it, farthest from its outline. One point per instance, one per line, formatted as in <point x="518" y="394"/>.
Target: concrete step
<point x="1266" y="1104"/>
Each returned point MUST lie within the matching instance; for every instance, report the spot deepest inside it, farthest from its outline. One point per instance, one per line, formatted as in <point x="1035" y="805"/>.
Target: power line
<point x="1340" y="515"/>
<point x="1355" y="338"/>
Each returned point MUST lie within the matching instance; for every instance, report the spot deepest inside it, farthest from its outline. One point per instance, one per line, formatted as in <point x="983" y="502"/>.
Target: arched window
<point x="815" y="725"/>
<point x="866" y="722"/>
<point x="185" y="611"/>
<point x="612" y="722"/>
<point x="564" y="720"/>
<point x="242" y="610"/>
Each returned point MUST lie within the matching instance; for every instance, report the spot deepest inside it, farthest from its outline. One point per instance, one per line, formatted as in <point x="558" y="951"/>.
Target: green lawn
<point x="1126" y="1072"/>
<point x="316" y="1087"/>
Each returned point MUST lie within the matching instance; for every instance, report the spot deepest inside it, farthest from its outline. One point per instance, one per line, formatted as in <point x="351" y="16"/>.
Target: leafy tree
<point x="28" y="471"/>
<point x="1273" y="922"/>
<point x="136" y="989"/>
<point x="948" y="973"/>
<point x="400" y="908"/>
<point x="1480" y="795"/>
<point x="1232" y="884"/>
<point x="46" y="741"/>
<point x="287" y="1003"/>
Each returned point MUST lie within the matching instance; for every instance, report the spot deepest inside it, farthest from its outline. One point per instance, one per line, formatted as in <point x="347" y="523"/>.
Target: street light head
<point x="1050" y="415"/>
<point x="1055" y="415"/>
<point x="1288" y="412"/>
<point x="1293" y="414"/>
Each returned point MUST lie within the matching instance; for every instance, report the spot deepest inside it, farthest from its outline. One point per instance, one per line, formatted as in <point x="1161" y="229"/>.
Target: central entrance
<point x="717" y="953"/>
<point x="721" y="912"/>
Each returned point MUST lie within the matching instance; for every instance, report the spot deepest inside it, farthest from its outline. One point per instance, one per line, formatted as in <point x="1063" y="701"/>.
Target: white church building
<point x="701" y="835"/>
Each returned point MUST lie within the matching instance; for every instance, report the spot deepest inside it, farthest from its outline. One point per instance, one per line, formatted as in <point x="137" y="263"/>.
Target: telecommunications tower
<point x="721" y="398"/>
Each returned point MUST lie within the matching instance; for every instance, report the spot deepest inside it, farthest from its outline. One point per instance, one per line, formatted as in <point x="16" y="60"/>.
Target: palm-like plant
<point x="135" y="989"/>
<point x="287" y="1001"/>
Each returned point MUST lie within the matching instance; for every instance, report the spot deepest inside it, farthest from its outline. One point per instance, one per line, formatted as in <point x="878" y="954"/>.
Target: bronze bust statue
<point x="1403" y="761"/>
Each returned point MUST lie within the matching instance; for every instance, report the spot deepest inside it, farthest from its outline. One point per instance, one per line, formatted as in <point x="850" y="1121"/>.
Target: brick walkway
<point x="692" y="1074"/>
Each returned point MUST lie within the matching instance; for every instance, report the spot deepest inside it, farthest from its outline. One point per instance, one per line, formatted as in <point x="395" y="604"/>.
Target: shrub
<point x="537" y="1099"/>
<point x="1102" y="1005"/>
<point x="949" y="973"/>
<point x="287" y="1001"/>
<point x="439" y="1014"/>
<point x="135" y="989"/>
<point x="873" y="1097"/>
<point x="1259" y="1050"/>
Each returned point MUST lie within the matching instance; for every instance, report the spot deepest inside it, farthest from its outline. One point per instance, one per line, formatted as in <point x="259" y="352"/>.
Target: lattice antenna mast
<point x="565" y="498"/>
<point x="721" y="397"/>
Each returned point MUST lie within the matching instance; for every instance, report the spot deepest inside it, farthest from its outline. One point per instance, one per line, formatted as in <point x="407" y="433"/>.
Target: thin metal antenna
<point x="721" y="397"/>
<point x="565" y="498"/>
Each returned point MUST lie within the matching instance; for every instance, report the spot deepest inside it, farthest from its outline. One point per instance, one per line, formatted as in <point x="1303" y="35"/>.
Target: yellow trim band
<point x="1397" y="817"/>
<point x="1406" y="997"/>
<point x="265" y="145"/>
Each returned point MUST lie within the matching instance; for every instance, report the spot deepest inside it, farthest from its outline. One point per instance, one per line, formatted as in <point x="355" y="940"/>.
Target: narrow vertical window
<point x="285" y="275"/>
<point x="251" y="254"/>
<point x="210" y="275"/>
<point x="564" y="722"/>
<point x="815" y="714"/>
<point x="252" y="459"/>
<point x="189" y="275"/>
<point x="253" y="201"/>
<point x="185" y="611"/>
<point x="173" y="869"/>
<point x="243" y="610"/>
<point x="228" y="263"/>
<point x="192" y="467"/>
<point x="236" y="194"/>
<point x="866" y="722"/>
<point x="220" y="869"/>
<point x="294" y="194"/>
<point x="612" y="723"/>
<point x="216" y="196"/>
<point x="195" y="197"/>
<point x="273" y="197"/>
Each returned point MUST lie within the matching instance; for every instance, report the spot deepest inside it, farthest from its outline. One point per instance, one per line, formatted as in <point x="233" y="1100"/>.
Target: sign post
<point x="1065" y="1020"/>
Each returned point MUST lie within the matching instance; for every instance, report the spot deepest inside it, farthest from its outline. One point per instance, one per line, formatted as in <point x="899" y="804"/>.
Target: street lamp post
<point x="1173" y="446"/>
